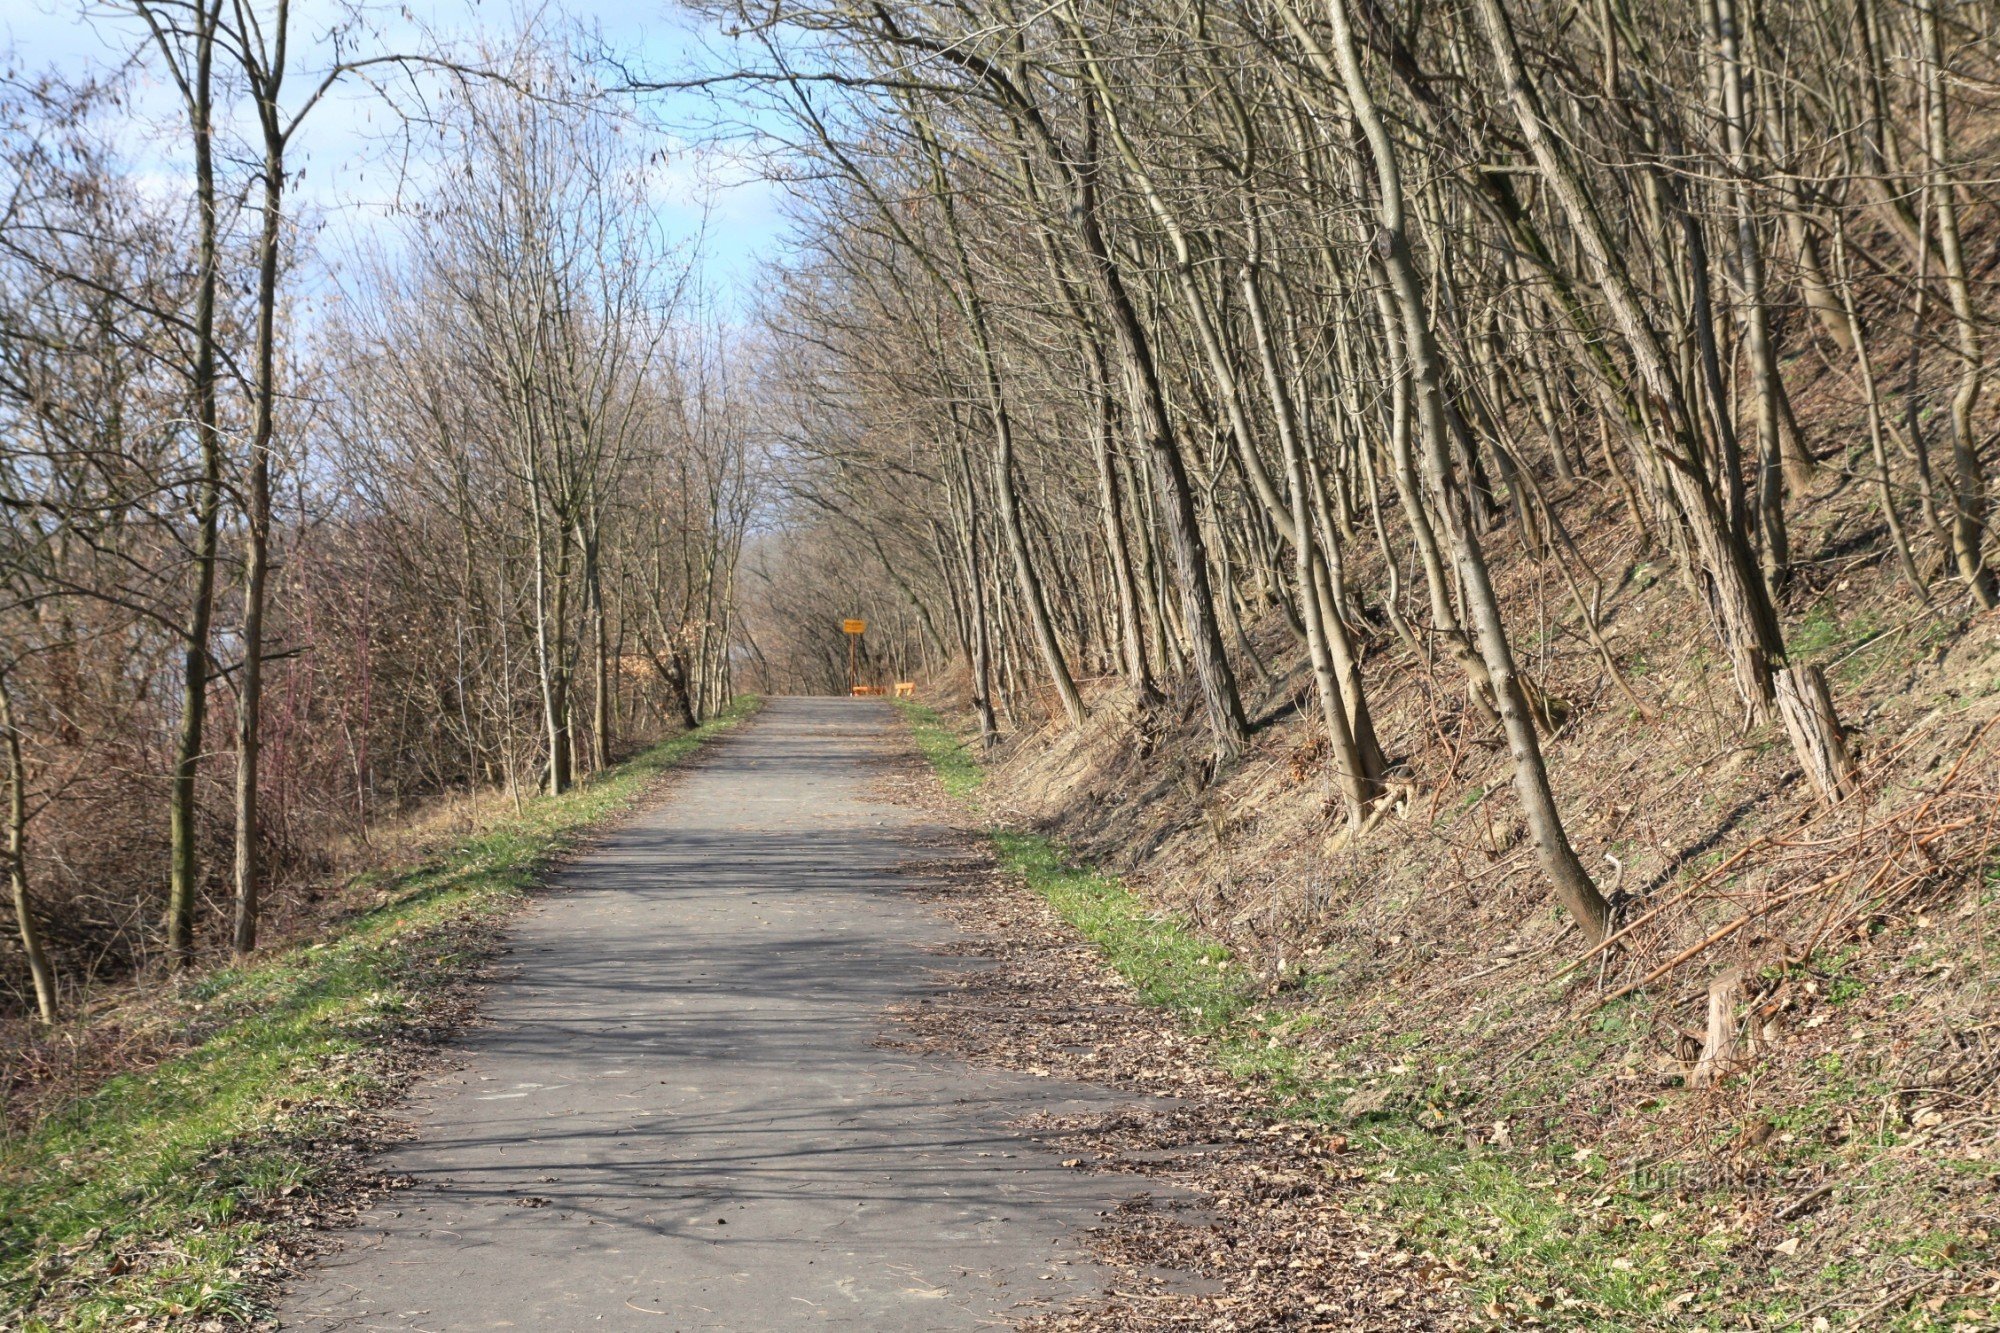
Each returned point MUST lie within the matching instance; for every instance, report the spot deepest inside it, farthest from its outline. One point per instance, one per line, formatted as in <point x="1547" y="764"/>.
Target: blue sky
<point x="349" y="157"/>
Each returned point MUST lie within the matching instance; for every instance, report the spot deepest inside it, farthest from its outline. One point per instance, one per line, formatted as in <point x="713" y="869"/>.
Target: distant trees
<point x="1346" y="311"/>
<point x="534" y="400"/>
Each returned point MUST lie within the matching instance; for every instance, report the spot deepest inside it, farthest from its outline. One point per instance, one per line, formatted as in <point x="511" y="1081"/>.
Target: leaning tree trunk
<point x="1805" y="705"/>
<point x="1321" y="553"/>
<point x="1572" y="884"/>
<point x="1131" y="633"/>
<point x="1032" y="593"/>
<point x="1152" y="425"/>
<point x="1745" y="618"/>
<point x="1360" y="779"/>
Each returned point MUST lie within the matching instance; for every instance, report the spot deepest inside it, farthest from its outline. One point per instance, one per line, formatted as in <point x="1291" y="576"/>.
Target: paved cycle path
<point x="675" y="1116"/>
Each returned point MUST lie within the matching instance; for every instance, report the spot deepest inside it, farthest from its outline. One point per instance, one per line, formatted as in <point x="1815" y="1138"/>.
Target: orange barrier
<point x="906" y="689"/>
<point x="868" y="691"/>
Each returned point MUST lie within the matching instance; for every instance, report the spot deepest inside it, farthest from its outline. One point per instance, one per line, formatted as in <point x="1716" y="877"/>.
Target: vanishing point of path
<point x="675" y="1115"/>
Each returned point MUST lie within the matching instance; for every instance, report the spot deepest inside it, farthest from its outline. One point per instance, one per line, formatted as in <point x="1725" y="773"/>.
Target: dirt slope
<point x="1846" y="1163"/>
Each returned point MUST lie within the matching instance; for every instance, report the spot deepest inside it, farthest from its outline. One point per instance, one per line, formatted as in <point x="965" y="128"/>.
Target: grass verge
<point x="157" y="1198"/>
<point x="1549" y="1237"/>
<point x="957" y="770"/>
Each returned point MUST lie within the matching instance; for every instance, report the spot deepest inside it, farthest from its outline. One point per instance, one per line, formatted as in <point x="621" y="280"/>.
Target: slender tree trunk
<point x="185" y="881"/>
<point x="257" y="553"/>
<point x="1337" y="677"/>
<point x="1781" y="458"/>
<point x="600" y="652"/>
<point x="1968" y="525"/>
<point x="1152" y="424"/>
<point x="1131" y="631"/>
<point x="39" y="971"/>
<point x="1573" y="885"/>
<point x="549" y="655"/>
<point x="1033" y="596"/>
<point x="1444" y="616"/>
<point x="1357" y="786"/>
<point x="1748" y="625"/>
<point x="1864" y="367"/>
<point x="982" y="640"/>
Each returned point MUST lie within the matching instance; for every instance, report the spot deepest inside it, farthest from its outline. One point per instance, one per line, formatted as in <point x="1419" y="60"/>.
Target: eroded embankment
<point x="1535" y="1118"/>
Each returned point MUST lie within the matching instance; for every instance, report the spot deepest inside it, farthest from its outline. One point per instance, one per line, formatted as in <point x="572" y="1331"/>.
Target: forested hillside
<point x="1370" y="321"/>
<point x="1438" y="338"/>
<point x="1483" y="509"/>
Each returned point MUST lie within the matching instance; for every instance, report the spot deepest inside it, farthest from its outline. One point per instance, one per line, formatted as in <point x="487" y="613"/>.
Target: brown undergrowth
<point x="135" y="1021"/>
<point x="1837" y="1156"/>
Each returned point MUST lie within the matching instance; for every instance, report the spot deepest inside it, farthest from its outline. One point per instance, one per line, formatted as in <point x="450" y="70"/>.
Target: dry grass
<point x="1848" y="1165"/>
<point x="133" y="1023"/>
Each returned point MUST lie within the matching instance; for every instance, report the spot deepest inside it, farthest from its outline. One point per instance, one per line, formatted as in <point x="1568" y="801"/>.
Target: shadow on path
<point x="675" y="1116"/>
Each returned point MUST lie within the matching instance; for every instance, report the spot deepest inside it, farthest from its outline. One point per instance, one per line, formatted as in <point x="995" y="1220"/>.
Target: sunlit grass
<point x="957" y="768"/>
<point x="139" y="1200"/>
<point x="1556" y="1237"/>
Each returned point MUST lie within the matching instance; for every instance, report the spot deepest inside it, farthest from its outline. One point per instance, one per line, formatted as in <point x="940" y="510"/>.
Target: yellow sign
<point x="853" y="627"/>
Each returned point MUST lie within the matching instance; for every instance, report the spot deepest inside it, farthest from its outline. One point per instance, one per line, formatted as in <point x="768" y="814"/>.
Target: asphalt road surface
<point x="676" y="1115"/>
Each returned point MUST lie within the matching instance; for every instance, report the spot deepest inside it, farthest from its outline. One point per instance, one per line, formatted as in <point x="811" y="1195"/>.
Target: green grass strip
<point x="957" y="770"/>
<point x="139" y="1201"/>
<point x="1432" y="1191"/>
<point x="1553" y="1235"/>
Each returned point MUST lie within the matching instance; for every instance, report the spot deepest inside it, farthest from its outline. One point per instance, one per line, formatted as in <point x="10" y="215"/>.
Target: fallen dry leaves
<point x="1247" y="1229"/>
